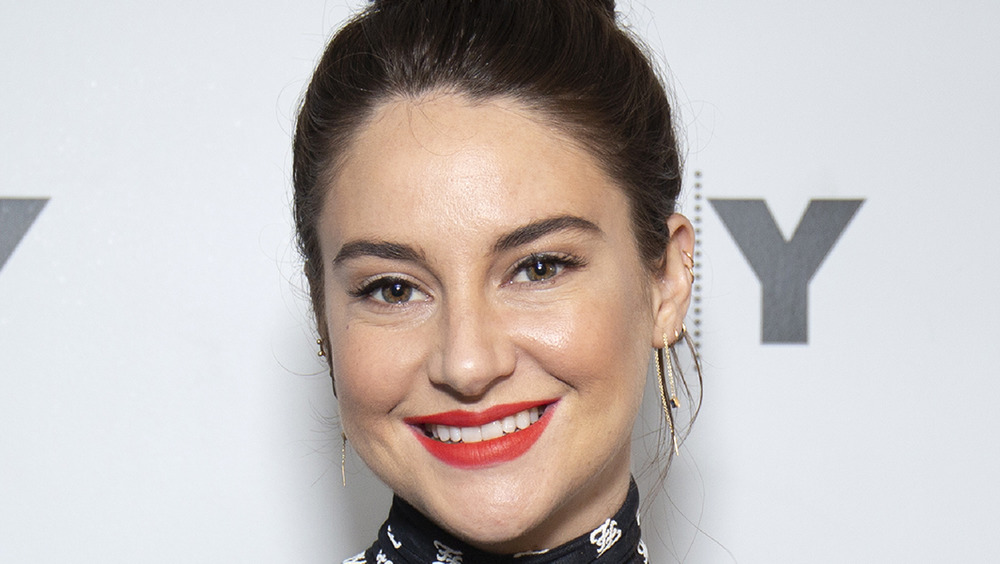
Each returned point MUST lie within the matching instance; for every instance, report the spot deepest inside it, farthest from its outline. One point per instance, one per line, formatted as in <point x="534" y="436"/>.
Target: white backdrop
<point x="160" y="398"/>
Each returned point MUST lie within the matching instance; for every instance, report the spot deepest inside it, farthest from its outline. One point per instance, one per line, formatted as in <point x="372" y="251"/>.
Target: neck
<point x="410" y="537"/>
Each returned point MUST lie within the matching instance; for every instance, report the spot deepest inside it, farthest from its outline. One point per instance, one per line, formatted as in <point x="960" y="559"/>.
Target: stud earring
<point x="321" y="352"/>
<point x="665" y="381"/>
<point x="343" y="458"/>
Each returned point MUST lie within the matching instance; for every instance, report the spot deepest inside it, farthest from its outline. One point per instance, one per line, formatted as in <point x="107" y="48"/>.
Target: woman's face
<point x="490" y="320"/>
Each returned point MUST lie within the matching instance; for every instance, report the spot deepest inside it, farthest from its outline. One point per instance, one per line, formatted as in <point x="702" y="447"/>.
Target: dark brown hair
<point x="567" y="60"/>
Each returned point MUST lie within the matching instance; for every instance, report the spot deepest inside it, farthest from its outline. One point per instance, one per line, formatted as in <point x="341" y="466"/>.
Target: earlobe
<point x="673" y="292"/>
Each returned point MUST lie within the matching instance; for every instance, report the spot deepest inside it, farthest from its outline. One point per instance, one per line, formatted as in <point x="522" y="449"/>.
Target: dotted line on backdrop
<point x="696" y="293"/>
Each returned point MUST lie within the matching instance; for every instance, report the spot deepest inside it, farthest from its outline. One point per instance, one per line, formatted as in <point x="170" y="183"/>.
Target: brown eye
<point x="390" y="290"/>
<point x="396" y="293"/>
<point x="544" y="267"/>
<point x="540" y="270"/>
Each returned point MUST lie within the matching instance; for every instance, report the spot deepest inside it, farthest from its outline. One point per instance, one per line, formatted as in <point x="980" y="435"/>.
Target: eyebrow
<point x="538" y="229"/>
<point x="520" y="236"/>
<point x="378" y="249"/>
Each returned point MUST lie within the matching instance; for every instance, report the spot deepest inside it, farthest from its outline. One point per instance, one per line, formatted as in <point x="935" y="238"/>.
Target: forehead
<point x="445" y="166"/>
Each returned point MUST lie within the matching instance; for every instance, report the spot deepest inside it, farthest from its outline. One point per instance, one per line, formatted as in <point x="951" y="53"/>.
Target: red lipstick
<point x="483" y="453"/>
<point x="462" y="418"/>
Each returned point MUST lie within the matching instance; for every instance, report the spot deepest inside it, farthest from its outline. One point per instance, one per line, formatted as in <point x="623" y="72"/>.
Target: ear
<point x="672" y="288"/>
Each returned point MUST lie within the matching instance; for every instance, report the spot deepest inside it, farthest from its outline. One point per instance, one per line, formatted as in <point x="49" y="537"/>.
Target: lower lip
<point x="486" y="453"/>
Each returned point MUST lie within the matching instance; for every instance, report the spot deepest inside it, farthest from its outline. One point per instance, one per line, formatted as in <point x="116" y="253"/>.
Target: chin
<point x="501" y="534"/>
<point x="498" y="520"/>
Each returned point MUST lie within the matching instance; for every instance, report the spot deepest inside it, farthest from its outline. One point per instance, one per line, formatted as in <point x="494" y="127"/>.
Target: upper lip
<point x="462" y="418"/>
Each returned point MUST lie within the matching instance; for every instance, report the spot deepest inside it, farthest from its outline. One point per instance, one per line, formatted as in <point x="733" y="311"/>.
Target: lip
<point x="461" y="418"/>
<point x="483" y="453"/>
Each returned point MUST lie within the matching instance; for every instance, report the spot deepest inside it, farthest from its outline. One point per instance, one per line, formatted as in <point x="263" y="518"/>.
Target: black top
<point x="407" y="537"/>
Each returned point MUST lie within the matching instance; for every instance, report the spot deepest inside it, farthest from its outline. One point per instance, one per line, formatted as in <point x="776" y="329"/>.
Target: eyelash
<point x="368" y="288"/>
<point x="560" y="261"/>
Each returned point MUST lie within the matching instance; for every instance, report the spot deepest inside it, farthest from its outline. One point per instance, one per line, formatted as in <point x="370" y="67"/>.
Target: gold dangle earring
<point x="669" y="353"/>
<point x="663" y="357"/>
<point x="343" y="436"/>
<point x="343" y="458"/>
<point x="322" y="353"/>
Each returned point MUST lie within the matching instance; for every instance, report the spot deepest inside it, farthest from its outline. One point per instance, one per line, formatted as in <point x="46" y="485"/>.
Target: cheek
<point x="595" y="343"/>
<point x="372" y="375"/>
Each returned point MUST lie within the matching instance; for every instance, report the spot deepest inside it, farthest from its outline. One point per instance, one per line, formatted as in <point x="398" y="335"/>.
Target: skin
<point x="445" y="180"/>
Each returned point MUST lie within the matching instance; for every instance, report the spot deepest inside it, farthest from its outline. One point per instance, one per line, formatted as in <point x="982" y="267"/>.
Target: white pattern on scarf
<point x="392" y="539"/>
<point x="605" y="536"/>
<point x="356" y="559"/>
<point x="446" y="554"/>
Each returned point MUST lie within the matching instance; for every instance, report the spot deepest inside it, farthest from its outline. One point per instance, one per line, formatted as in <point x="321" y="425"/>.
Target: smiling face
<point x="490" y="320"/>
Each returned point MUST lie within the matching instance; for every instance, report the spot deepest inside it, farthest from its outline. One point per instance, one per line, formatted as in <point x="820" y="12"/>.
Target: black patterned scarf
<point x="407" y="537"/>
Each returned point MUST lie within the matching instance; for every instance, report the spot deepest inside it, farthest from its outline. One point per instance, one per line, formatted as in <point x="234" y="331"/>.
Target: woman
<point x="484" y="195"/>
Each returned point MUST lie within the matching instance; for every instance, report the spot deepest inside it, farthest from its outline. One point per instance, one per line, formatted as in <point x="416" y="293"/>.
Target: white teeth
<point x="493" y="430"/>
<point x="509" y="424"/>
<point x="523" y="420"/>
<point x="489" y="431"/>
<point x="472" y="434"/>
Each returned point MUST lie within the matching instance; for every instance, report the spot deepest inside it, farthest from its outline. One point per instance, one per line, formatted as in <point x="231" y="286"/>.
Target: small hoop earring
<point x="665" y="367"/>
<point x="343" y="458"/>
<point x="690" y="267"/>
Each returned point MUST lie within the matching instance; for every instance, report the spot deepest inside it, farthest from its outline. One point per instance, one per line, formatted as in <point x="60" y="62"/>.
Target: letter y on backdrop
<point x="16" y="217"/>
<point x="785" y="268"/>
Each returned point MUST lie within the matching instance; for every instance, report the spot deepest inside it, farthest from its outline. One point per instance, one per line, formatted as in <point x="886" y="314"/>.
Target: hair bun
<point x="606" y="5"/>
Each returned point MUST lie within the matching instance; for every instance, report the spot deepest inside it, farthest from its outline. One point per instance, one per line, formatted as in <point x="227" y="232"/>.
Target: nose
<point x="475" y="351"/>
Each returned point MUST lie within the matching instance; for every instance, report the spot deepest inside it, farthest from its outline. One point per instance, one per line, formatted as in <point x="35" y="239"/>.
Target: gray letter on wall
<point x="785" y="268"/>
<point x="16" y="216"/>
